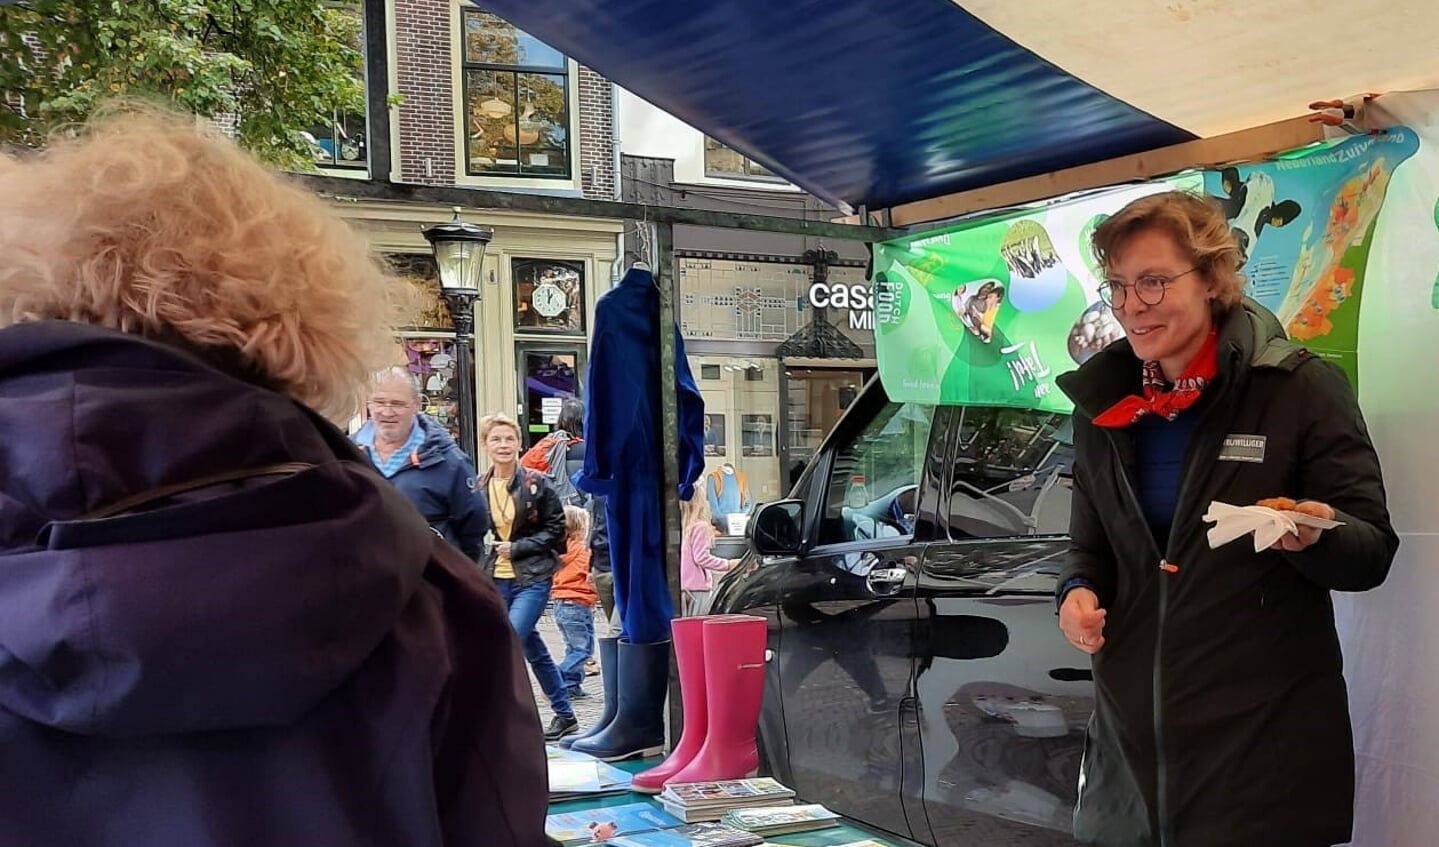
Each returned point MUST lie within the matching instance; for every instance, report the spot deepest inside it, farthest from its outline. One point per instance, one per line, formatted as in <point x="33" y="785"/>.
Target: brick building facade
<point x="425" y="57"/>
<point x="424" y="80"/>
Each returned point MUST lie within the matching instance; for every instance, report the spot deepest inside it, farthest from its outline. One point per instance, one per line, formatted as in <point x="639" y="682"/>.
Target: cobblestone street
<point x="587" y="709"/>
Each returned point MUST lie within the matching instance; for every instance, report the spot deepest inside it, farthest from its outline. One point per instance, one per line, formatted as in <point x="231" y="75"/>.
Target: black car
<point x="917" y="681"/>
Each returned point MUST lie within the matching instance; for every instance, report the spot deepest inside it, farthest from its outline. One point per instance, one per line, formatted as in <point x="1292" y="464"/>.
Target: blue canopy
<point x="860" y="102"/>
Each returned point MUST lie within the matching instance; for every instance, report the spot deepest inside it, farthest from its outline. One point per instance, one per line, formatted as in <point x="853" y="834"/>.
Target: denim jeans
<point x="526" y="604"/>
<point x="577" y="624"/>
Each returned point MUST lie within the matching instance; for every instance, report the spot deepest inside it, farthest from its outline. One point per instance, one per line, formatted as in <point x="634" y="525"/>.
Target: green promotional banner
<point x="989" y="313"/>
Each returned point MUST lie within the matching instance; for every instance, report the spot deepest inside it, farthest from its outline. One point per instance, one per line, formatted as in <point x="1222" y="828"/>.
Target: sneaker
<point x="561" y="726"/>
<point x="577" y="693"/>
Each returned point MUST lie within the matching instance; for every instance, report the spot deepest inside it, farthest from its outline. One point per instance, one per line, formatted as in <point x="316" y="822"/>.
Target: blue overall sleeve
<point x="691" y="417"/>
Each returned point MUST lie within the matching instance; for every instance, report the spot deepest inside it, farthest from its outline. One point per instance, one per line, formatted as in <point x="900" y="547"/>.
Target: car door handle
<point x="884" y="580"/>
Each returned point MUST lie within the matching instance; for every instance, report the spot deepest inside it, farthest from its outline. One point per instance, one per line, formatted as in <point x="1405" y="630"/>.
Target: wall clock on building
<point x="548" y="299"/>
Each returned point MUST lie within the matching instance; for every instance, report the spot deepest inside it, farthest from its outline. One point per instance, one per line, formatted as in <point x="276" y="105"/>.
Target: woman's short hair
<point x="498" y="419"/>
<point x="1196" y="223"/>
<point x="144" y="222"/>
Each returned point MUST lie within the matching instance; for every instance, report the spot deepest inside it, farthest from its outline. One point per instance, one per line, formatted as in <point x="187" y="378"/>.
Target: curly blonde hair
<point x="144" y="222"/>
<point x="1196" y="223"/>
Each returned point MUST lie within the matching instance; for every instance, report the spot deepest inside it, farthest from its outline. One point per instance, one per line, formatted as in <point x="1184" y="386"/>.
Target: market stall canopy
<point x="879" y="103"/>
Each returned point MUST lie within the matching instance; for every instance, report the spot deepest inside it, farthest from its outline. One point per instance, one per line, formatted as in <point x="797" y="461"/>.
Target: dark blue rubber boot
<point x="638" y="728"/>
<point x="609" y="671"/>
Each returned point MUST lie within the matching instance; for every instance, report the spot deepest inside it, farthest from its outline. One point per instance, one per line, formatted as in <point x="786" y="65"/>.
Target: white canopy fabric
<point x="1218" y="66"/>
<point x="1391" y="634"/>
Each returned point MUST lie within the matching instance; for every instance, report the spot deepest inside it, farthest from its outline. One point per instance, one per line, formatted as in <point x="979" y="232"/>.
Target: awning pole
<point x="669" y="443"/>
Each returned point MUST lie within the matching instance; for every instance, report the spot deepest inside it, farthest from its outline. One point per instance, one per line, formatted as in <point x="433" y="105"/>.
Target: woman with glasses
<point x="1221" y="715"/>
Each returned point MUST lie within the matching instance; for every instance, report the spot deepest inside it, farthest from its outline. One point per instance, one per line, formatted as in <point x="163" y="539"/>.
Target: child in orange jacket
<point x="574" y="600"/>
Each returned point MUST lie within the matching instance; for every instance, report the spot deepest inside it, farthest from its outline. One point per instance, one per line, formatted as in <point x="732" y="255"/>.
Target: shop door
<point x="548" y="373"/>
<point x="816" y="397"/>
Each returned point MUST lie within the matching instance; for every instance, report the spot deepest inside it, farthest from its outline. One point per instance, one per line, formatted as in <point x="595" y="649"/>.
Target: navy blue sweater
<point x="1159" y="448"/>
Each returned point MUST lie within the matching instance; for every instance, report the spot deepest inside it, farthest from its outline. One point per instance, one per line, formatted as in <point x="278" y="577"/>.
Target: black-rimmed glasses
<point x="1149" y="289"/>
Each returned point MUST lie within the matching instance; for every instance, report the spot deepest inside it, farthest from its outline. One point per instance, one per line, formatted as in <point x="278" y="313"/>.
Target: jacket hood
<point x="240" y="605"/>
<point x="1250" y="336"/>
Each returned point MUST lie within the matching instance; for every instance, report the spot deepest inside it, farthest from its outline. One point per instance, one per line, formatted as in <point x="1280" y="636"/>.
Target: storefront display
<point x="766" y="415"/>
<point x="430" y="361"/>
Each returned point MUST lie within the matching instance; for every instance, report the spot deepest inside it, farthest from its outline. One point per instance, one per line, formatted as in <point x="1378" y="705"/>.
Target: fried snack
<point x="1317" y="510"/>
<point x="1278" y="504"/>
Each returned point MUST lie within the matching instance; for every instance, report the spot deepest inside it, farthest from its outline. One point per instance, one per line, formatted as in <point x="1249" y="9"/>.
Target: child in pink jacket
<point x="697" y="564"/>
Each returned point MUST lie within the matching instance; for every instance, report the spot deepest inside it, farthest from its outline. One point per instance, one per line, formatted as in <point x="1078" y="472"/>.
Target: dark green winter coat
<point x="1221" y="716"/>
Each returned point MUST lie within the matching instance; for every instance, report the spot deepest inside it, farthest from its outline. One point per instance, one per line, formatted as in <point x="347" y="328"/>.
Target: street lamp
<point x="459" y="249"/>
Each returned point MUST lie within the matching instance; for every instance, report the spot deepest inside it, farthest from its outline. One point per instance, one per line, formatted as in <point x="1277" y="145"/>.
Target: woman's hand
<point x="1307" y="535"/>
<point x="503" y="548"/>
<point x="1081" y="620"/>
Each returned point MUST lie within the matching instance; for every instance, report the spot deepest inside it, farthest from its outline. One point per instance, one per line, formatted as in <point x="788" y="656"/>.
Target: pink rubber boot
<point x="688" y="634"/>
<point x="734" y="648"/>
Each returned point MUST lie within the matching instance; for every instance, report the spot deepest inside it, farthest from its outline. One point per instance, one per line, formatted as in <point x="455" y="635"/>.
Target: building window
<point x="516" y="102"/>
<point x="549" y="296"/>
<point x="340" y="141"/>
<point x="722" y="161"/>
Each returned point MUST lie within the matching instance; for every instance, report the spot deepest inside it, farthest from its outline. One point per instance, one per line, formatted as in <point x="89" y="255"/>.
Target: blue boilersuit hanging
<point x="624" y="460"/>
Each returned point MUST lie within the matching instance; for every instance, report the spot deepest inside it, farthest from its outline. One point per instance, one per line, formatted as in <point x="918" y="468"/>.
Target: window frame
<point x="768" y="176"/>
<point x="335" y="167"/>
<point x="848" y="432"/>
<point x="564" y="71"/>
<point x="519" y="261"/>
<point x="338" y="165"/>
<point x="1063" y="473"/>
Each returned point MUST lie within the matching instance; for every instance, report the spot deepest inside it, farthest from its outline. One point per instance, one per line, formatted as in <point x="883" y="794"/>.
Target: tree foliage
<point x="277" y="67"/>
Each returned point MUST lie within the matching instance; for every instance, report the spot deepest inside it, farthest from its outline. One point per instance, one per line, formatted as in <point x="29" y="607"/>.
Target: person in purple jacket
<point x="219" y="625"/>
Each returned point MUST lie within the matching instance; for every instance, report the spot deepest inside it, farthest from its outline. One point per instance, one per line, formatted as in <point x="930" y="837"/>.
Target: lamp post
<point x="459" y="249"/>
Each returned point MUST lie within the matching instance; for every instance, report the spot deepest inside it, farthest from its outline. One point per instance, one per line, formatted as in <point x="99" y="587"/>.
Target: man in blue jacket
<point x="424" y="463"/>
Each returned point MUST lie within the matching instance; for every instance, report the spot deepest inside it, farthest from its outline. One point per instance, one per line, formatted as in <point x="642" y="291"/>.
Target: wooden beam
<point x="1243" y="146"/>
<point x="482" y="198"/>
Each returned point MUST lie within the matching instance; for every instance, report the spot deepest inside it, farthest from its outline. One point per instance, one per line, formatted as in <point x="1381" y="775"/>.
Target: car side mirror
<point x="777" y="529"/>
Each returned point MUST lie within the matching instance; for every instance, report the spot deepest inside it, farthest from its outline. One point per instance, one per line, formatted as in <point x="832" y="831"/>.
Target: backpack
<point x="549" y="457"/>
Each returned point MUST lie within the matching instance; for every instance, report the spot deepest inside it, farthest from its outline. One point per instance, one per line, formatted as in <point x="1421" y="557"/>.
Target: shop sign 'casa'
<point x="855" y="299"/>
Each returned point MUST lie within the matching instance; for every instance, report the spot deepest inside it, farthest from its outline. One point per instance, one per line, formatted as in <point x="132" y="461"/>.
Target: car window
<point x="873" y="486"/>
<point x="1013" y="474"/>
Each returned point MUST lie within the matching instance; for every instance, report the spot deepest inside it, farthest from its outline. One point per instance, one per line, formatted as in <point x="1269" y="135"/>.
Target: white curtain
<point x="1391" y="634"/>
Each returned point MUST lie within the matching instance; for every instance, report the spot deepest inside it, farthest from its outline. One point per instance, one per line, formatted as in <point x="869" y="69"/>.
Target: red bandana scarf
<point x="1156" y="400"/>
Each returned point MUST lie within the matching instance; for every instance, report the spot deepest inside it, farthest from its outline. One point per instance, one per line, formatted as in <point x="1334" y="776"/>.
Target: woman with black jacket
<point x="1221" y="717"/>
<point x="528" y="523"/>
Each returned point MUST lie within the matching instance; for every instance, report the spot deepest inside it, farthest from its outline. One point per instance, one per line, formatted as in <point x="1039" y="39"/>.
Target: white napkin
<point x="1268" y="525"/>
<point x="1231" y="522"/>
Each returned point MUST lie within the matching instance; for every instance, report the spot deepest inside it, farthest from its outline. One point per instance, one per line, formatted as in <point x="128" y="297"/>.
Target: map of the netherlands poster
<point x="1305" y="224"/>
